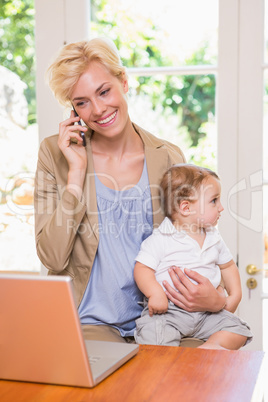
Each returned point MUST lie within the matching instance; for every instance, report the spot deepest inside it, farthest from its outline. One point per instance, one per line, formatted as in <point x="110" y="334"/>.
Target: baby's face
<point x="206" y="211"/>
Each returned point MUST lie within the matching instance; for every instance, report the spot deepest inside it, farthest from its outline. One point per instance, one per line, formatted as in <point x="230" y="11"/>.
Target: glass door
<point x="246" y="209"/>
<point x="265" y="186"/>
<point x="18" y="137"/>
<point x="171" y="57"/>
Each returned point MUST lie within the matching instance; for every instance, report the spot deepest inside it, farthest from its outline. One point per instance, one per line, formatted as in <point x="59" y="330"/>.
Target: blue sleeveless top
<point x="125" y="220"/>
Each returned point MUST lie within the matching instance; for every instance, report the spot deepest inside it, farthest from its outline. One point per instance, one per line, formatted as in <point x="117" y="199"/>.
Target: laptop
<point x="41" y="337"/>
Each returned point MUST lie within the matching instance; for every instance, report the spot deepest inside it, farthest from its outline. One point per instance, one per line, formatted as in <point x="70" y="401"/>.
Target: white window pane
<point x="18" y="137"/>
<point x="266" y="32"/>
<point x="179" y="108"/>
<point x="177" y="28"/>
<point x="265" y="176"/>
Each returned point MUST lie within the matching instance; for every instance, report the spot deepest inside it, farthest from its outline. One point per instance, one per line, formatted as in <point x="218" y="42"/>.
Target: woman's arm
<point x="74" y="153"/>
<point x="59" y="208"/>
<point x="58" y="214"/>
<point x="232" y="283"/>
<point x="194" y="297"/>
<point x="148" y="285"/>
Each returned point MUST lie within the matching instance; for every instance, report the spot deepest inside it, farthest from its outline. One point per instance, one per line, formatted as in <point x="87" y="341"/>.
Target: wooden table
<point x="161" y="373"/>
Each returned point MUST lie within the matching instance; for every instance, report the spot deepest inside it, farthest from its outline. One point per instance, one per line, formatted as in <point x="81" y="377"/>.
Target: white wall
<point x="58" y="22"/>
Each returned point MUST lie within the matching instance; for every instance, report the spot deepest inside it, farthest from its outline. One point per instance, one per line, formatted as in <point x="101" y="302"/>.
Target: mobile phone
<point x="81" y="132"/>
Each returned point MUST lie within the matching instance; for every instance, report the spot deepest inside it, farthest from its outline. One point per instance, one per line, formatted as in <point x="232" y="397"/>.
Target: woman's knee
<point x="102" y="333"/>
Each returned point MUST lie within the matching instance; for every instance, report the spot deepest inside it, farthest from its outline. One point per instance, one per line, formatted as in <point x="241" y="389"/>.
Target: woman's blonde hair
<point x="74" y="59"/>
<point x="182" y="182"/>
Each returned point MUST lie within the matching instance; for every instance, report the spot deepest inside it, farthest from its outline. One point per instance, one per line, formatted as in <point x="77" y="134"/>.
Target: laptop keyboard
<point x="94" y="359"/>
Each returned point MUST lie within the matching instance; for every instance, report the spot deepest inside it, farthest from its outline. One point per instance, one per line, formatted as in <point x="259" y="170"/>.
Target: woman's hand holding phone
<point x="70" y="143"/>
<point x="82" y="133"/>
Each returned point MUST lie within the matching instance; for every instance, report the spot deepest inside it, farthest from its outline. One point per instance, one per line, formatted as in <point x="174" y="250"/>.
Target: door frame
<point x="240" y="136"/>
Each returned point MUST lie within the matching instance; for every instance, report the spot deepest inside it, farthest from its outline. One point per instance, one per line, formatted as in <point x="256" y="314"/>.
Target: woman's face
<point x="100" y="100"/>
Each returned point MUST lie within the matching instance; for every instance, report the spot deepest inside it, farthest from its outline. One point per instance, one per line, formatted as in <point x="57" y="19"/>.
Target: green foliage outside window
<point x="190" y="97"/>
<point x="17" y="46"/>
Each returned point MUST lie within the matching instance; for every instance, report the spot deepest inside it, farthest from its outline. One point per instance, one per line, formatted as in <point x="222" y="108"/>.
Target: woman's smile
<point x="107" y="120"/>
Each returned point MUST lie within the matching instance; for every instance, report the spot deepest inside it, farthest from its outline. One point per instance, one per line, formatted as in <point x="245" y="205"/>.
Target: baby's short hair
<point x="182" y="182"/>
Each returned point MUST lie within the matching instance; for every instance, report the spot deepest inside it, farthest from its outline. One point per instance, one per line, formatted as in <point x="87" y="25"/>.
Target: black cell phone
<point x="81" y="133"/>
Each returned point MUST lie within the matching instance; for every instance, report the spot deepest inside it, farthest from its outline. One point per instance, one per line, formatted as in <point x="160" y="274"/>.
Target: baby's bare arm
<point x="232" y="283"/>
<point x="148" y="285"/>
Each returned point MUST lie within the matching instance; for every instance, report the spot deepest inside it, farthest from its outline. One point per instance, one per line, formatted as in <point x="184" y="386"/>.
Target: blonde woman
<point x="95" y="204"/>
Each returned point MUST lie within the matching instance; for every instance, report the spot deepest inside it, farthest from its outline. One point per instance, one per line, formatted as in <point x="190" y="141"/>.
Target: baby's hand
<point x="157" y="303"/>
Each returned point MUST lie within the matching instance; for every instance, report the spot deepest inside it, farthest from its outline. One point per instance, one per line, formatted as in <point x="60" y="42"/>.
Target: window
<point x="265" y="177"/>
<point x="171" y="55"/>
<point x="18" y="136"/>
<point x="265" y="138"/>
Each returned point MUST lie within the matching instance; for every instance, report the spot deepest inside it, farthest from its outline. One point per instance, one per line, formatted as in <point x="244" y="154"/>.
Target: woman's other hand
<point x="201" y="296"/>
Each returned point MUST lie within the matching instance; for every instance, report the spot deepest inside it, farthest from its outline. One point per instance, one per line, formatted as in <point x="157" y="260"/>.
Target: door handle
<point x="253" y="270"/>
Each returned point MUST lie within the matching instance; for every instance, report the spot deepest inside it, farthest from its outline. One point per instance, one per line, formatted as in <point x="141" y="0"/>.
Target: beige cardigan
<point x="67" y="229"/>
